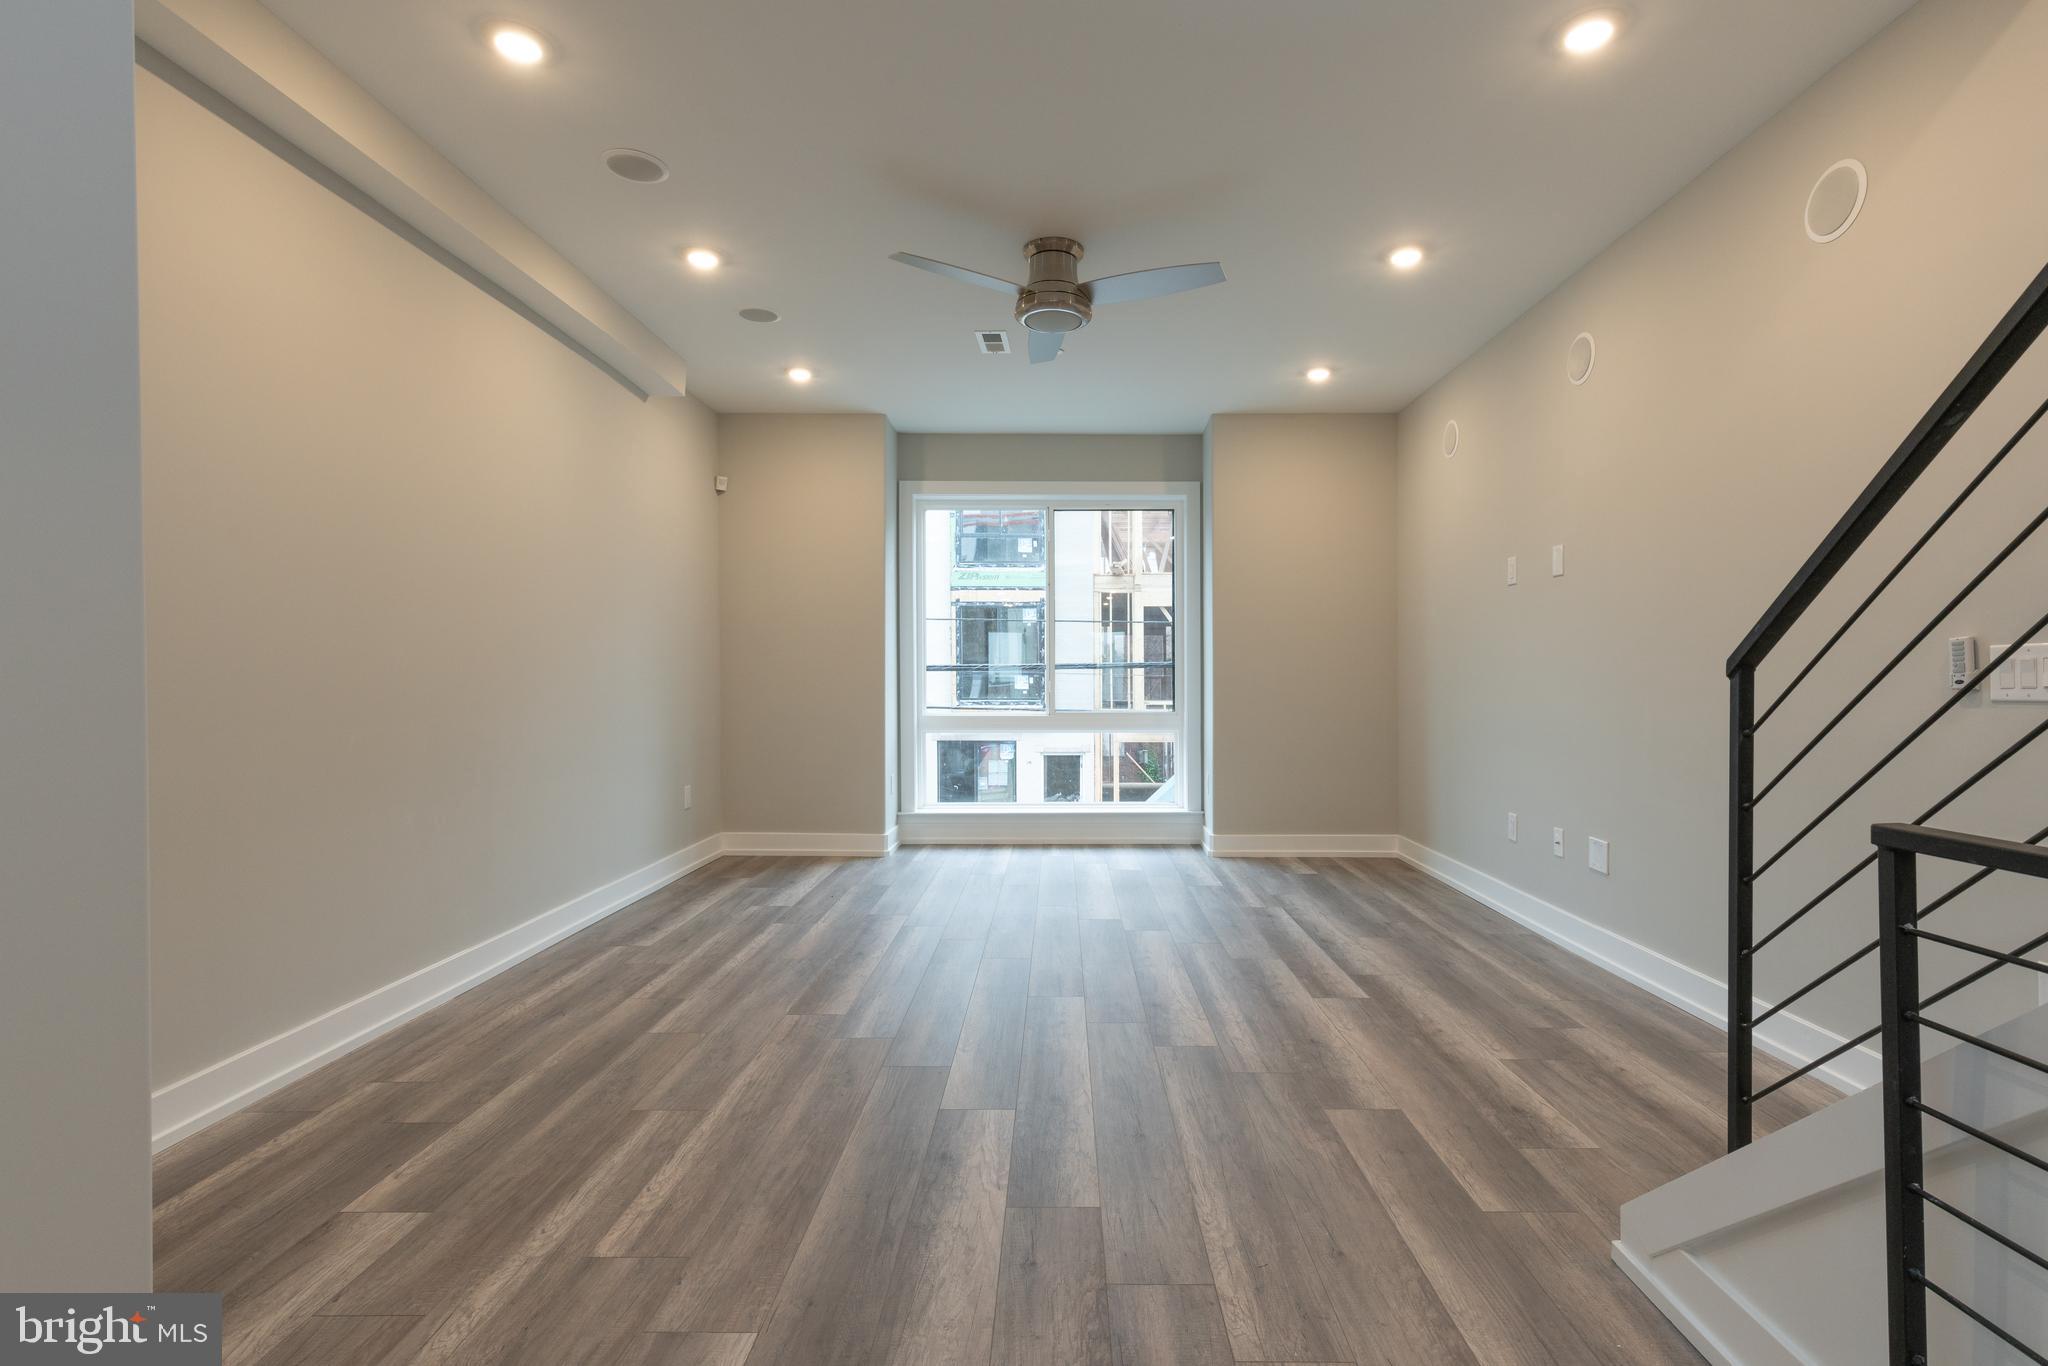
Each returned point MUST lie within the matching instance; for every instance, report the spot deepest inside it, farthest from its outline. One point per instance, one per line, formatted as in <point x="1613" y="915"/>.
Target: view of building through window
<point x="1103" y="580"/>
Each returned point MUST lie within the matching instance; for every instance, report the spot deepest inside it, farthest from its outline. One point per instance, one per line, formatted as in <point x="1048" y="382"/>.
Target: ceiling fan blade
<point x="960" y="273"/>
<point x="1151" y="284"/>
<point x="1046" y="346"/>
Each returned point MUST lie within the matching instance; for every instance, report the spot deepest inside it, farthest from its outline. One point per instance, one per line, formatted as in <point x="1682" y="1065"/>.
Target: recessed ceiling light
<point x="1589" y="34"/>
<point x="701" y="258"/>
<point x="1405" y="258"/>
<point x="799" y="375"/>
<point x="1319" y="375"/>
<point x="760" y="315"/>
<point x="519" y="46"/>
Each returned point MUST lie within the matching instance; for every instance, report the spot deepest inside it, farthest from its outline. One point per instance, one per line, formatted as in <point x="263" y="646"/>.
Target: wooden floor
<point x="975" y="1105"/>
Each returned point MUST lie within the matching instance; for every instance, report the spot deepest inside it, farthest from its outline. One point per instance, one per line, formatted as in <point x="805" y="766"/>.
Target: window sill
<point x="1050" y="825"/>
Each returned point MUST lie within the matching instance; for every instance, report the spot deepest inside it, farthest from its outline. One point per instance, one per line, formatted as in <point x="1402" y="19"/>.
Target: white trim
<point x="914" y="724"/>
<point x="1708" y="1312"/>
<point x="1051" y="827"/>
<point x="191" y="1103"/>
<point x="805" y="842"/>
<point x="1301" y="846"/>
<point x="1786" y="1036"/>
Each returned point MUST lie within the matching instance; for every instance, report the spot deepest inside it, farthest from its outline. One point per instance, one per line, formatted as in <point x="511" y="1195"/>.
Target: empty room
<point x="1155" y="683"/>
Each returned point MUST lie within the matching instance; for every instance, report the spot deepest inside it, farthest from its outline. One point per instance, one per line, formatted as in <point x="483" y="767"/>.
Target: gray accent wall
<point x="1748" y="383"/>
<point x="74" y="932"/>
<point x="433" y="630"/>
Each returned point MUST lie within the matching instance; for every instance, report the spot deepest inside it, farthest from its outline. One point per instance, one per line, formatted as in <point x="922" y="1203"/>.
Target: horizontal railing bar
<point x="1989" y="1047"/>
<point x="1929" y="814"/>
<point x="1817" y="982"/>
<point x="1993" y="463"/>
<point x="2009" y="1339"/>
<point x="2001" y="349"/>
<point x="1929" y="909"/>
<point x="1898" y="749"/>
<point x="1971" y="978"/>
<point x="1978" y="1224"/>
<point x="1973" y="1131"/>
<point x="1980" y="950"/>
<point x="1973" y="879"/>
<point x="1822" y="1061"/>
<point x="1867" y="1035"/>
<point x="1986" y="851"/>
<point x="1905" y="652"/>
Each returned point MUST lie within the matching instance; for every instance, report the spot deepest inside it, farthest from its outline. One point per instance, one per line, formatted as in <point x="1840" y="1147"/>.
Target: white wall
<point x="1300" y="568"/>
<point x="433" y="637"/>
<point x="74" y="1070"/>
<point x="1748" y="383"/>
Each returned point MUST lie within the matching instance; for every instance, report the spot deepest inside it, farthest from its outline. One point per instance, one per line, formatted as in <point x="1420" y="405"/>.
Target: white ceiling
<point x="1294" y="140"/>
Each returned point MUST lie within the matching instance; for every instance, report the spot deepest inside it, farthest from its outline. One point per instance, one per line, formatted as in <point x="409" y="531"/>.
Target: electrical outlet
<point x="1513" y="838"/>
<point x="1511" y="571"/>
<point x="1596" y="855"/>
<point x="689" y="796"/>
<point x="1556" y="561"/>
<point x="1557" y="840"/>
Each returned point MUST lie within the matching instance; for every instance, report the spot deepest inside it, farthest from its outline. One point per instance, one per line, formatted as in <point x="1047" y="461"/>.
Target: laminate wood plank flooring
<point x="975" y="1107"/>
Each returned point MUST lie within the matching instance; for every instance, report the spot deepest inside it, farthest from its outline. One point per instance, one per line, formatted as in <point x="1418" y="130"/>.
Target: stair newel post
<point x="1905" y="1218"/>
<point x="1741" y="924"/>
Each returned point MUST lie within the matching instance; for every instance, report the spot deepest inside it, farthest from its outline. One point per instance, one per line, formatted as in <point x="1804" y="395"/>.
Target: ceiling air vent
<point x="993" y="343"/>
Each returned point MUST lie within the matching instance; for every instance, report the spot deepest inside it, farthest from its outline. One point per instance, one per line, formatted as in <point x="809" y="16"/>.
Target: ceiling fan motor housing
<point x="1054" y="300"/>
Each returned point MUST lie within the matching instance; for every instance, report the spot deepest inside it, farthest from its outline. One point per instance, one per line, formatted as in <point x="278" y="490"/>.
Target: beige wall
<point x="805" y="622"/>
<point x="74" y="1068"/>
<point x="1748" y="383"/>
<point x="1064" y="458"/>
<point x="1300" y="567"/>
<point x="433" y="622"/>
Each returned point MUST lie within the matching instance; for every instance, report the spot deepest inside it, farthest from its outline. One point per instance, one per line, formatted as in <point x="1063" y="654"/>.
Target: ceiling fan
<point x="1057" y="301"/>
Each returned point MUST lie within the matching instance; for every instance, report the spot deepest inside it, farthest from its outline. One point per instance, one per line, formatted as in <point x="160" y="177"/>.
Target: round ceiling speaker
<point x="642" y="168"/>
<point x="1450" y="439"/>
<point x="1578" y="358"/>
<point x="760" y="315"/>
<point x="1835" y="200"/>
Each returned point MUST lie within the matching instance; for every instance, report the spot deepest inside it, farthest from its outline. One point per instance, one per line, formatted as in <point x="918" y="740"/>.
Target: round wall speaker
<point x="1836" y="199"/>
<point x="642" y="168"/>
<point x="760" y="315"/>
<point x="1450" y="439"/>
<point x="1578" y="358"/>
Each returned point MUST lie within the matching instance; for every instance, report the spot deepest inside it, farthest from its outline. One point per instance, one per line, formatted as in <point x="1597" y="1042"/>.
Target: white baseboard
<point x="816" y="845"/>
<point x="190" y="1104"/>
<point x="1301" y="846"/>
<point x="1786" y="1036"/>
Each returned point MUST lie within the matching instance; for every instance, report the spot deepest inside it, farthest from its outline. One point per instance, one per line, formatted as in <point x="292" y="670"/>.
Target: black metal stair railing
<point x="1972" y="386"/>
<point x="1906" y="1107"/>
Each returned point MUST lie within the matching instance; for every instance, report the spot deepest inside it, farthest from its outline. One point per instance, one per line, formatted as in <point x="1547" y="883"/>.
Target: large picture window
<point x="1043" y="650"/>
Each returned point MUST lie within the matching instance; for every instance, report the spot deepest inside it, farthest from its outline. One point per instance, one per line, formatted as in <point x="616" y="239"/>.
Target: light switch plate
<point x="1511" y="571"/>
<point x="689" y="796"/>
<point x="1513" y="837"/>
<point x="1556" y="561"/>
<point x="1596" y="855"/>
<point x="1557" y="840"/>
<point x="2022" y="678"/>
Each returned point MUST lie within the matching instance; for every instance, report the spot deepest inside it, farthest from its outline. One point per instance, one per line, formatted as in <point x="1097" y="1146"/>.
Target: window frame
<point x="1183" y="722"/>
